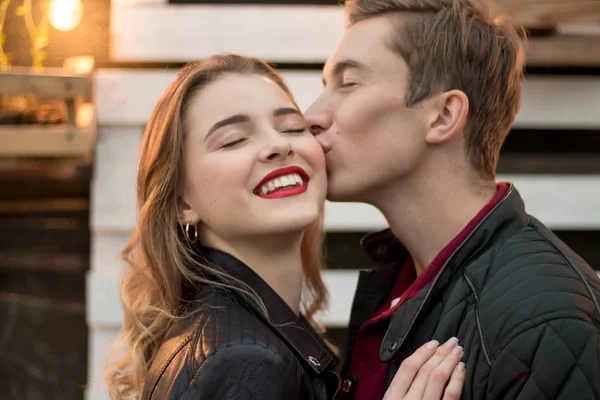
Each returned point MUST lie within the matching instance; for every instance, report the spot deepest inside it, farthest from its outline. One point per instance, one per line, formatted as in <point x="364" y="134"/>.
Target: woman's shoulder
<point x="223" y="320"/>
<point x="222" y="334"/>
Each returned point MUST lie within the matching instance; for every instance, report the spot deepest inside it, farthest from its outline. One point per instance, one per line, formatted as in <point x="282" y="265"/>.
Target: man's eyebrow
<point x="234" y="119"/>
<point x="341" y="66"/>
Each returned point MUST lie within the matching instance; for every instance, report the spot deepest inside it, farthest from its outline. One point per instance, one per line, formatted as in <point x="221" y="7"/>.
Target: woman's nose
<point x="278" y="148"/>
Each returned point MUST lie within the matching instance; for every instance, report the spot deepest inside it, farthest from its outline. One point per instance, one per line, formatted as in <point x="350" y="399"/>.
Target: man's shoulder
<point x="533" y="253"/>
<point x="533" y="278"/>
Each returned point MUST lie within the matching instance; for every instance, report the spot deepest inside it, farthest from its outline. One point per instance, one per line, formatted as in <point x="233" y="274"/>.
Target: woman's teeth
<point x="286" y="181"/>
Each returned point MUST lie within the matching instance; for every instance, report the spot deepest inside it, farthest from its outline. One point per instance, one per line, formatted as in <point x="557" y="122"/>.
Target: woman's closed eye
<point x="238" y="141"/>
<point x="295" y="130"/>
<point x="234" y="143"/>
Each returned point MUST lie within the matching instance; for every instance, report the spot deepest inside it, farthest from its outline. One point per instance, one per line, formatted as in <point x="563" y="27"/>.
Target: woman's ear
<point x="449" y="117"/>
<point x="185" y="212"/>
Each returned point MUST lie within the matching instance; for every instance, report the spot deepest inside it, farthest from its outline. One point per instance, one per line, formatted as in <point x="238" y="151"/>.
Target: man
<point x="419" y="97"/>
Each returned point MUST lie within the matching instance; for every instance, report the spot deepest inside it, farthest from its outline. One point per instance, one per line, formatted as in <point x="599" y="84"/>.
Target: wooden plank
<point x="104" y="310"/>
<point x="574" y="204"/>
<point x="549" y="13"/>
<point x="157" y="32"/>
<point x="564" y="50"/>
<point x="113" y="191"/>
<point x="44" y="205"/>
<point x="126" y="97"/>
<point x="22" y="189"/>
<point x="38" y="169"/>
<point x="535" y="13"/>
<point x="343" y="250"/>
<point x="530" y="163"/>
<point x="45" y="141"/>
<point x="161" y="32"/>
<point x="23" y="179"/>
<point x="531" y="13"/>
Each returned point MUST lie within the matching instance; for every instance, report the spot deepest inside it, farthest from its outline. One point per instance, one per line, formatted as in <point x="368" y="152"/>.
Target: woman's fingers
<point x="433" y="372"/>
<point x="455" y="386"/>
<point x="420" y="382"/>
<point x="441" y="374"/>
<point x="408" y="370"/>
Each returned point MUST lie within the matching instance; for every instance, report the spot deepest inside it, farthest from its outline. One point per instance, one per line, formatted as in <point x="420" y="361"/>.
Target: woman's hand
<point x="425" y="374"/>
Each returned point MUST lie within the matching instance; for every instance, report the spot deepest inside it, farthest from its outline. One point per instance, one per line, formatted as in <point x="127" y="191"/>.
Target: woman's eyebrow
<point x="234" y="119"/>
<point x="286" y="111"/>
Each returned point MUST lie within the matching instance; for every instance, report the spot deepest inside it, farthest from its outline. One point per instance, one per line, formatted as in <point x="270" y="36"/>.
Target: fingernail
<point x="460" y="367"/>
<point x="451" y="343"/>
<point x="432" y="345"/>
<point x="457" y="351"/>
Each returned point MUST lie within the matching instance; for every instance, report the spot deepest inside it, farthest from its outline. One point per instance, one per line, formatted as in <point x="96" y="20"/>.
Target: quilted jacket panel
<point x="524" y="305"/>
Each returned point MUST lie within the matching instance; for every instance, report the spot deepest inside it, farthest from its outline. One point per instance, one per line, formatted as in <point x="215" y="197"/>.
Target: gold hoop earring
<point x="187" y="233"/>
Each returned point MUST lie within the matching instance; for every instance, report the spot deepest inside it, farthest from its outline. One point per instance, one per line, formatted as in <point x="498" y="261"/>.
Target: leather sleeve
<point x="554" y="359"/>
<point x="243" y="372"/>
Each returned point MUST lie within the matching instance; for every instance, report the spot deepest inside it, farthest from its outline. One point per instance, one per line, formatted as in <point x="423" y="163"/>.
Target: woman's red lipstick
<point x="283" y="192"/>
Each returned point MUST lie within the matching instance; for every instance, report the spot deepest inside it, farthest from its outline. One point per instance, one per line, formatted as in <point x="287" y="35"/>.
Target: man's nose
<point x="319" y="118"/>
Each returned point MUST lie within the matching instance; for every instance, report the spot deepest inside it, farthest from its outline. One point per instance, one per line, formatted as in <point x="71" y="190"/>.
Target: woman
<point x="223" y="271"/>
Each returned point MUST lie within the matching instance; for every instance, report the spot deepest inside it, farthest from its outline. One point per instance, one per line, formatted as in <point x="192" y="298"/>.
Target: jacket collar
<point x="384" y="248"/>
<point x="294" y="330"/>
<point x="505" y="219"/>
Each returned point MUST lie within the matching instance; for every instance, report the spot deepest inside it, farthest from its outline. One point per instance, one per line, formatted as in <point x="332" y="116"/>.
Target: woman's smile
<point x="282" y="182"/>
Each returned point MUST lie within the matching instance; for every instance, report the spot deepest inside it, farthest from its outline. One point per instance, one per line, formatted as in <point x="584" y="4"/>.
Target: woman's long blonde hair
<point x="158" y="259"/>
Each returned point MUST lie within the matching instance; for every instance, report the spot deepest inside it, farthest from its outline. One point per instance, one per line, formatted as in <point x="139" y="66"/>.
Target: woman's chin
<point x="297" y="223"/>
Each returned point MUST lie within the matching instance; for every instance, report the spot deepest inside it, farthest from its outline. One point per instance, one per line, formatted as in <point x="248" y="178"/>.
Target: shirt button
<point x="348" y="384"/>
<point x="394" y="345"/>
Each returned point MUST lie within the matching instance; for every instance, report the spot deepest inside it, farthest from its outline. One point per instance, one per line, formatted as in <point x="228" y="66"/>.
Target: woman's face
<point x="252" y="169"/>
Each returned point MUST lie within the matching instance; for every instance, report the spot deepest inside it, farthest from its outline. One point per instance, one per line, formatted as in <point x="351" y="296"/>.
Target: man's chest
<point x="442" y="321"/>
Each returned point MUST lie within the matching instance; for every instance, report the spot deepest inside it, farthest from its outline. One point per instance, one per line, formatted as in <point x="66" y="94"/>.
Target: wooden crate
<point x="72" y="84"/>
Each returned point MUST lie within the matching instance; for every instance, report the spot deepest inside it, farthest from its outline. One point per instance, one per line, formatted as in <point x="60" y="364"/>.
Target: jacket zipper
<point x="508" y="193"/>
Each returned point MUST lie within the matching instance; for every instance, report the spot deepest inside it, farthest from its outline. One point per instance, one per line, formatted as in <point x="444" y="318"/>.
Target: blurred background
<point x="78" y="79"/>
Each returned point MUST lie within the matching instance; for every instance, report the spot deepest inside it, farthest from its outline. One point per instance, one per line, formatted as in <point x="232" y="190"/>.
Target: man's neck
<point x="278" y="261"/>
<point x="427" y="215"/>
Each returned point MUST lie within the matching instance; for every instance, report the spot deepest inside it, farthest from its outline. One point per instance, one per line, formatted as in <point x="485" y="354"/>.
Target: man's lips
<point x="279" y="173"/>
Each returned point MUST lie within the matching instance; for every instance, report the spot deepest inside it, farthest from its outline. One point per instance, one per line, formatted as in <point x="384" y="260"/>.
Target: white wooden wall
<point x="151" y="30"/>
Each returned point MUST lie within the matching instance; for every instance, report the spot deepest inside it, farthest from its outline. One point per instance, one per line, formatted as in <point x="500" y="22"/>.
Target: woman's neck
<point x="277" y="261"/>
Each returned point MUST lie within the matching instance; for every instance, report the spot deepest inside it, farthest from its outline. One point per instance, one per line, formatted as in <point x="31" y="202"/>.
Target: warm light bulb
<point x="65" y="15"/>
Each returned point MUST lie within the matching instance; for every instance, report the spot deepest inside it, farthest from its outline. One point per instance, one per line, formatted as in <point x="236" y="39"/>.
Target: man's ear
<point x="448" y="117"/>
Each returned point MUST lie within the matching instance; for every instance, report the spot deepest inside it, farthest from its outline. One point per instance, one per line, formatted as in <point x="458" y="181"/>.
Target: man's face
<point x="369" y="136"/>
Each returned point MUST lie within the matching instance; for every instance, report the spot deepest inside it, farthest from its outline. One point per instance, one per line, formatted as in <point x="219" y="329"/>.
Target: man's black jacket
<point x="524" y="305"/>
